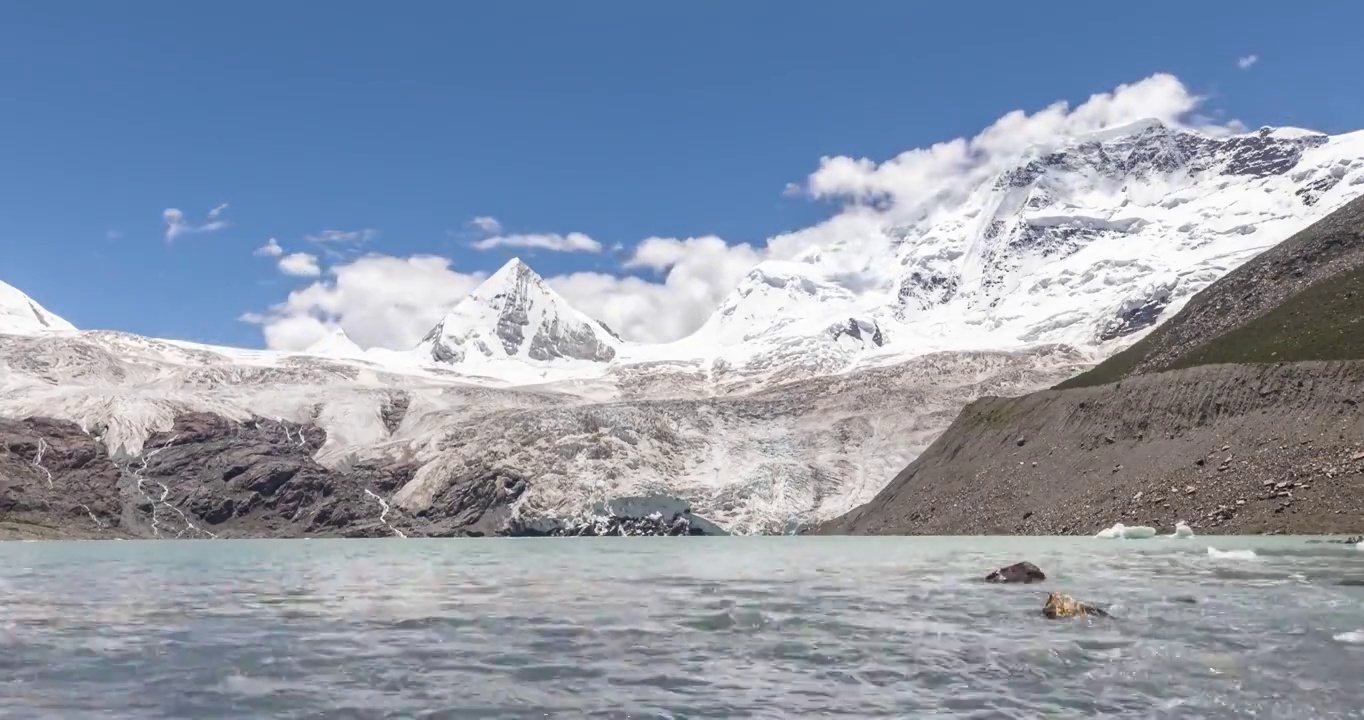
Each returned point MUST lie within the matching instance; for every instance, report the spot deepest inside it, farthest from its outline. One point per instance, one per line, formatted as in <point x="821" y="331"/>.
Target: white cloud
<point x="344" y="237"/>
<point x="379" y="300"/>
<point x="946" y="171"/>
<point x="271" y="248"/>
<point x="392" y="302"/>
<point x="1246" y="62"/>
<point x="487" y="224"/>
<point x="572" y="242"/>
<point x="300" y="264"/>
<point x="113" y="235"/>
<point x="292" y="332"/>
<point x="177" y="226"/>
<point x="697" y="274"/>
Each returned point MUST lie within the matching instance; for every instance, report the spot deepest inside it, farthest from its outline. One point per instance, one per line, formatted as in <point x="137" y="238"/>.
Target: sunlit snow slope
<point x="21" y="315"/>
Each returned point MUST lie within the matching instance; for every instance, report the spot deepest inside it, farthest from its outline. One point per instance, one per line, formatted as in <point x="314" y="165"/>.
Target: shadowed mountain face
<point x="1241" y="414"/>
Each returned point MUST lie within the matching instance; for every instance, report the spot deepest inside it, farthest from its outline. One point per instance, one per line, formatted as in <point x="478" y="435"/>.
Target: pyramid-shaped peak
<point x="515" y="314"/>
<point x="515" y="278"/>
<point x="512" y="275"/>
<point x="514" y="268"/>
<point x="337" y="342"/>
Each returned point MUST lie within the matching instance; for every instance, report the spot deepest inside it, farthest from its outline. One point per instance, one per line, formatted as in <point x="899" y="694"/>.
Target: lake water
<point x="677" y="628"/>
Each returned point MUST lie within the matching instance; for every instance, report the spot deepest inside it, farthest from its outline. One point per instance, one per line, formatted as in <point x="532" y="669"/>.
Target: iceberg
<point x="1122" y="532"/>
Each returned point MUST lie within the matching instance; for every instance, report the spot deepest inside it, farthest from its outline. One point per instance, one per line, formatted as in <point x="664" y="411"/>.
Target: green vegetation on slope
<point x="1323" y="322"/>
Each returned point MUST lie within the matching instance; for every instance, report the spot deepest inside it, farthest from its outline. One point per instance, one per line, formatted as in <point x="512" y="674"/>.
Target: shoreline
<point x="11" y="532"/>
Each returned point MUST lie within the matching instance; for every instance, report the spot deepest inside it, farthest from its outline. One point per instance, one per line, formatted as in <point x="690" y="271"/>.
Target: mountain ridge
<point x="1328" y="248"/>
<point x="1240" y="414"/>
<point x="817" y="379"/>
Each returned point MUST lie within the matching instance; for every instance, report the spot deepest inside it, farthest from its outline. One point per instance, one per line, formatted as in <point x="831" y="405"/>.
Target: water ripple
<point x="690" y="628"/>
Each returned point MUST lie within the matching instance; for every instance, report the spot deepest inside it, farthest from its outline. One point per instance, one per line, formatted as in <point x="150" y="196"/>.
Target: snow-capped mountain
<point x="1085" y="245"/>
<point x="818" y="377"/>
<point x="335" y="344"/>
<point x="515" y="315"/>
<point x="21" y="315"/>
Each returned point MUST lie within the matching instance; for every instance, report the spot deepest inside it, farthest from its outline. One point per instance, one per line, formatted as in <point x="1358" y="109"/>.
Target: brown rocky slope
<point x="1241" y="414"/>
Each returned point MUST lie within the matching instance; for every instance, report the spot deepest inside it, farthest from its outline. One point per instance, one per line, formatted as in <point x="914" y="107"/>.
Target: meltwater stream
<point x="678" y="628"/>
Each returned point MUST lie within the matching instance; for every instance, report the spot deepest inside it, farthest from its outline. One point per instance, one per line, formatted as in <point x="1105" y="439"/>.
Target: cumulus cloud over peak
<point x="947" y="170"/>
<point x="666" y="288"/>
<point x="380" y="301"/>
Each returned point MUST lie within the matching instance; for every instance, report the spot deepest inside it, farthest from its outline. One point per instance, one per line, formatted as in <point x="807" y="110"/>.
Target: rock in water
<point x="1023" y="572"/>
<point x="1060" y="605"/>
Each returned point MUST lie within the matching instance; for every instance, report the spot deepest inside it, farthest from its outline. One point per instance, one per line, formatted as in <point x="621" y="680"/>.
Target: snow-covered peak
<point x="515" y="315"/>
<point x="1085" y="243"/>
<point x="1102" y="238"/>
<point x="335" y="344"/>
<point x="21" y="315"/>
<point x="774" y="295"/>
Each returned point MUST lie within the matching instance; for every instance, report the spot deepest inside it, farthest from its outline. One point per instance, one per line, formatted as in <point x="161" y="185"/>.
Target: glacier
<point x="808" y="388"/>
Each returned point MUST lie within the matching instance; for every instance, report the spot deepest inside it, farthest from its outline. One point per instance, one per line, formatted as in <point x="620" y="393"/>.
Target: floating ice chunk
<point x="1182" y="531"/>
<point x="1231" y="554"/>
<point x="1355" y="637"/>
<point x="1122" y="532"/>
<point x="1111" y="533"/>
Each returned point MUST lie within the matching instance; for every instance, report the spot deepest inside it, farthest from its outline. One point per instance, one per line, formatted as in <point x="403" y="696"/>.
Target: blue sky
<point x="619" y="120"/>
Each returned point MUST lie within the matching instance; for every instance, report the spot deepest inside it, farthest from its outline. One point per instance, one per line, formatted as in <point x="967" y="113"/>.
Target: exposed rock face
<point x="207" y="477"/>
<point x="211" y="477"/>
<point x="55" y="476"/>
<point x="1060" y="605"/>
<point x="1024" y="572"/>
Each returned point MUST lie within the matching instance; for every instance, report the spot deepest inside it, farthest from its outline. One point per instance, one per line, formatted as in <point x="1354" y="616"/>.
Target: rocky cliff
<point x="210" y="477"/>
<point x="1241" y="414"/>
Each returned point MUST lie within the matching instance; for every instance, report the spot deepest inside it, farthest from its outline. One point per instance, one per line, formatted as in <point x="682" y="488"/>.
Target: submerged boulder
<point x="1023" y="572"/>
<point x="1060" y="605"/>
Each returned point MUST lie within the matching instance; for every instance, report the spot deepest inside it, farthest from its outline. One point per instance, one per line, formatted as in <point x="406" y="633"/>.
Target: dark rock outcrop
<point x="650" y="515"/>
<point x="1023" y="572"/>
<point x="54" y="476"/>
<point x="212" y="477"/>
<point x="207" y="477"/>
